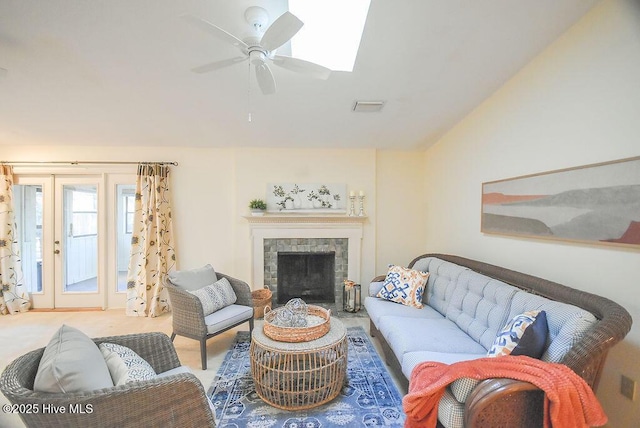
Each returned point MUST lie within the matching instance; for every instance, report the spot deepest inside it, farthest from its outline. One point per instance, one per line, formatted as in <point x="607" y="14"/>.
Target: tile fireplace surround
<point x="304" y="234"/>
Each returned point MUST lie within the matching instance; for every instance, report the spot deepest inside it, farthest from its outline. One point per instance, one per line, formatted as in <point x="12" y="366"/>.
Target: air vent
<point x="368" y="106"/>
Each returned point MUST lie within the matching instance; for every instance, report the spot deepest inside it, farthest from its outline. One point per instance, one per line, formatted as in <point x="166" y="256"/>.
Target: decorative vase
<point x="288" y="204"/>
<point x="317" y="203"/>
<point x="257" y="213"/>
<point x="297" y="203"/>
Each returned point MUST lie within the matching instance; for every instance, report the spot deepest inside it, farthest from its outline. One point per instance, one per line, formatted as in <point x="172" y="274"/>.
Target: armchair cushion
<point x="226" y="317"/>
<point x="125" y="365"/>
<point x="215" y="296"/>
<point x="194" y="279"/>
<point x="71" y="362"/>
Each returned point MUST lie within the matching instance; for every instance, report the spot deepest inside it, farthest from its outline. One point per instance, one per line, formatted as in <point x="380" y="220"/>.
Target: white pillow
<point x="125" y="365"/>
<point x="71" y="362"/>
<point x="194" y="279"/>
<point x="216" y="296"/>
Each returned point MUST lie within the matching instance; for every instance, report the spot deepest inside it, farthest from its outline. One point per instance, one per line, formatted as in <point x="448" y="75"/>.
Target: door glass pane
<point x="28" y="215"/>
<point x="80" y="250"/>
<point x="126" y="208"/>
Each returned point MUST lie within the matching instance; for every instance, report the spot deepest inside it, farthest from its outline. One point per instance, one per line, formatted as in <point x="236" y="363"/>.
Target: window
<point x="130" y="208"/>
<point x="84" y="213"/>
<point x="331" y="33"/>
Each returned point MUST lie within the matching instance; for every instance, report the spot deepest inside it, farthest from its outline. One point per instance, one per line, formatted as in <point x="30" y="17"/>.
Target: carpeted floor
<point x="368" y="399"/>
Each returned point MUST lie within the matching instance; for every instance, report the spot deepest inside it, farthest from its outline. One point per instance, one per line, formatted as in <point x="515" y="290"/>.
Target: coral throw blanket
<point x="569" y="402"/>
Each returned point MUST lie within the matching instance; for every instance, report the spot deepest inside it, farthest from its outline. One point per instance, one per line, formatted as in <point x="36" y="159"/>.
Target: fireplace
<point x="309" y="276"/>
<point x="273" y="234"/>
<point x="301" y="278"/>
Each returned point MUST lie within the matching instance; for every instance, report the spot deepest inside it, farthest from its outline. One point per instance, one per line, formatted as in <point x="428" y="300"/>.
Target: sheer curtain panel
<point x="152" y="248"/>
<point x="14" y="296"/>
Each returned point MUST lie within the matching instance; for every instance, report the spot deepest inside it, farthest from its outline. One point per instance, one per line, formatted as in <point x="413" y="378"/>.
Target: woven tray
<point x="319" y="326"/>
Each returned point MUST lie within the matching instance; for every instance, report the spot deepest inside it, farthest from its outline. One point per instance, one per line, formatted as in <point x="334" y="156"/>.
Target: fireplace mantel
<point x="304" y="218"/>
<point x="282" y="226"/>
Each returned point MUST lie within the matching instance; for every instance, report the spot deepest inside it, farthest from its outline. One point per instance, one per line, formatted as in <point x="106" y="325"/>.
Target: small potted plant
<point x="257" y="206"/>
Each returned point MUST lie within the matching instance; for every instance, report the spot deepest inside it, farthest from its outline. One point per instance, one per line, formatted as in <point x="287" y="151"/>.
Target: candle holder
<point x="352" y="207"/>
<point x="361" y="211"/>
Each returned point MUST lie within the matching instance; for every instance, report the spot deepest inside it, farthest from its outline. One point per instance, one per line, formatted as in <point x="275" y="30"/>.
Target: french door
<point x="72" y="234"/>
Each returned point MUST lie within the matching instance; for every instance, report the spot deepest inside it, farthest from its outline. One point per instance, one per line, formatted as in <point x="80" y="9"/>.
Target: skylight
<point x="331" y="33"/>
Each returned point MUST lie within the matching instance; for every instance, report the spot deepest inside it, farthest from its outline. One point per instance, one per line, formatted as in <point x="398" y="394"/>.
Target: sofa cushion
<point x="437" y="335"/>
<point x="479" y="305"/>
<point x="404" y="285"/>
<point x="215" y="296"/>
<point x="567" y="323"/>
<point x="226" y="317"/>
<point x="194" y="279"/>
<point x="71" y="362"/>
<point x="125" y="365"/>
<point x="377" y="308"/>
<point x="441" y="283"/>
<point x="525" y="334"/>
<point x="450" y="411"/>
<point x="413" y="358"/>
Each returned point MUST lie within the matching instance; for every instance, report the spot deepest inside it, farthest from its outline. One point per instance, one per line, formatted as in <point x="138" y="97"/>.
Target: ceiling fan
<point x="259" y="48"/>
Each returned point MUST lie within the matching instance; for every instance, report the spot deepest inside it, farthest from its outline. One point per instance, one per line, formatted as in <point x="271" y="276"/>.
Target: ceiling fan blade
<point x="218" y="64"/>
<point x="281" y="31"/>
<point x="266" y="82"/>
<point x="302" y="66"/>
<point x="215" y="31"/>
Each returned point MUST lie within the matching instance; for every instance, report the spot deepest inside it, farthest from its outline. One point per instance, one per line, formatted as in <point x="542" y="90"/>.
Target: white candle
<point x="352" y="193"/>
<point x="362" y="193"/>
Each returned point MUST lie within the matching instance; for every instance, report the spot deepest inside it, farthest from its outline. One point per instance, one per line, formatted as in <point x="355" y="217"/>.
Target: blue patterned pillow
<point x="215" y="296"/>
<point x="404" y="285"/>
<point x="125" y="365"/>
<point x="525" y="334"/>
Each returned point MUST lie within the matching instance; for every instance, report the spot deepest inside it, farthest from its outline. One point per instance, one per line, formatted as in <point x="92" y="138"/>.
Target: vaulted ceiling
<point x="117" y="72"/>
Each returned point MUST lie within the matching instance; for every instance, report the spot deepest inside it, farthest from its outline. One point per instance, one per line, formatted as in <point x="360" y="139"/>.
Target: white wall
<point x="577" y="103"/>
<point x="211" y="189"/>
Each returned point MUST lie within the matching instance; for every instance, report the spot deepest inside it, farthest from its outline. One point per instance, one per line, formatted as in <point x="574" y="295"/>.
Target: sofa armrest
<point x="187" y="313"/>
<point x="376" y="285"/>
<point x="504" y="402"/>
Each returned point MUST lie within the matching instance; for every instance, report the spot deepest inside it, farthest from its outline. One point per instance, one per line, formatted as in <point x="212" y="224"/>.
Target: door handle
<point x="56" y="251"/>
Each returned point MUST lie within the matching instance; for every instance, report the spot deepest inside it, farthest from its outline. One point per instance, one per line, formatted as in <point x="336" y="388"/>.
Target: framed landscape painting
<point x="597" y="203"/>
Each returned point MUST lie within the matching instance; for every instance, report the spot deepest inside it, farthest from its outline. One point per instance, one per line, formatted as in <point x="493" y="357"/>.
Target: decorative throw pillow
<point x="125" y="365"/>
<point x="404" y="285"/>
<point x="215" y="296"/>
<point x="194" y="279"/>
<point x="71" y="362"/>
<point x="525" y="334"/>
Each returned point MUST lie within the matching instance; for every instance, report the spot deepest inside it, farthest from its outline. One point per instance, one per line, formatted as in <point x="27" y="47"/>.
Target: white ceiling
<point x="116" y="72"/>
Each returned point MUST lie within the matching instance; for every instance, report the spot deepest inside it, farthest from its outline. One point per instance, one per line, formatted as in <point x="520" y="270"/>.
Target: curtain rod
<point x="83" y="163"/>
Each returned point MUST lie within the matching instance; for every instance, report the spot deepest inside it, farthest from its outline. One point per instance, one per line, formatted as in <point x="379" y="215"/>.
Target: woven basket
<point x="298" y="334"/>
<point x="261" y="299"/>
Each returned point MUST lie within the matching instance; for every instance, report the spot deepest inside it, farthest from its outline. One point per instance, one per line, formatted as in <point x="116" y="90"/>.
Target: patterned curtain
<point x="14" y="297"/>
<point x="152" y="250"/>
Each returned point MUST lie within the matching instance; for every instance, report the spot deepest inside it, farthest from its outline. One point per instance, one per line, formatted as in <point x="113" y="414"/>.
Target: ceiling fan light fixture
<point x="368" y="106"/>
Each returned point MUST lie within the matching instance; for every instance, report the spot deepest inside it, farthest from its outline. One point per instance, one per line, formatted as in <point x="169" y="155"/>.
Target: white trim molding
<point x="289" y="228"/>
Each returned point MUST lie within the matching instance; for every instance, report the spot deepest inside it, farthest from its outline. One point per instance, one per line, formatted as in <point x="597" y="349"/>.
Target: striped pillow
<point x="215" y="296"/>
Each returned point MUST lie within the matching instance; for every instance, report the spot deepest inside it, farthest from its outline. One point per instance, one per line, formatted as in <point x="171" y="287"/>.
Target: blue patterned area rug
<point x="369" y="397"/>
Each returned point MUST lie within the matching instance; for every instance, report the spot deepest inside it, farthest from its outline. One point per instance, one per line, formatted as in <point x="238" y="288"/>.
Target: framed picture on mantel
<point x="597" y="204"/>
<point x="292" y="198"/>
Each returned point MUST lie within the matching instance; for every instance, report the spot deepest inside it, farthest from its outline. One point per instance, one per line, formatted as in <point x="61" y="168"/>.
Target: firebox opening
<point x="309" y="276"/>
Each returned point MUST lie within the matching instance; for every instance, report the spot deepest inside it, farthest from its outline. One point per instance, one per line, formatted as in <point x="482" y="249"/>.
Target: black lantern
<point x="351" y="296"/>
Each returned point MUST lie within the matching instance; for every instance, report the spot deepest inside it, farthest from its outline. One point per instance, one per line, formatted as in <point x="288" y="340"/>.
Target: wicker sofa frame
<point x="188" y="316"/>
<point x="172" y="401"/>
<point x="507" y="402"/>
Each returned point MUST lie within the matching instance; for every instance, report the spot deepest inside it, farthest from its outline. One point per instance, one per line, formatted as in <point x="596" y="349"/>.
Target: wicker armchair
<point x="172" y="401"/>
<point x="189" y="320"/>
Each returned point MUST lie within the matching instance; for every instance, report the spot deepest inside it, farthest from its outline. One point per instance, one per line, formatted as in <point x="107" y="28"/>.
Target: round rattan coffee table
<point x="299" y="375"/>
